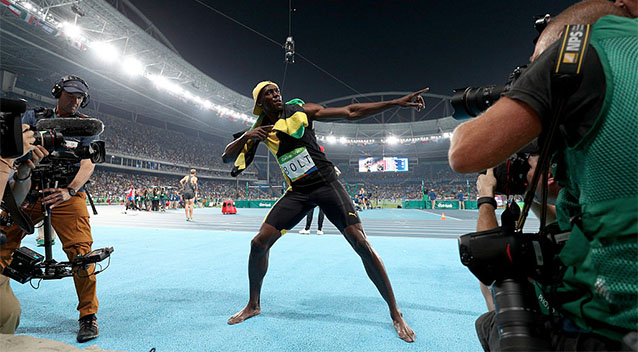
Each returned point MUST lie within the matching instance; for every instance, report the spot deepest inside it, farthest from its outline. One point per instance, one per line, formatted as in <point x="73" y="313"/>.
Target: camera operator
<point x="9" y="305"/>
<point x="69" y="214"/>
<point x="595" y="150"/>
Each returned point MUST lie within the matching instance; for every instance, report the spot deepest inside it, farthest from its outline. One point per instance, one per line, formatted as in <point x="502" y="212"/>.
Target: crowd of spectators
<point x="112" y="187"/>
<point x="129" y="137"/>
<point x="168" y="149"/>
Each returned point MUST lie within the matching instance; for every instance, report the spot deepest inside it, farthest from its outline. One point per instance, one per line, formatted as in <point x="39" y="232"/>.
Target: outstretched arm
<point x="358" y="111"/>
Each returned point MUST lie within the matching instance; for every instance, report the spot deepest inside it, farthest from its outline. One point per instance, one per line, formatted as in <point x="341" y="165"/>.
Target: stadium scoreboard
<point x="385" y="164"/>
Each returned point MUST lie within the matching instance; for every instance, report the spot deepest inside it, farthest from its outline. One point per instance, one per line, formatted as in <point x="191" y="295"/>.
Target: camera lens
<point x="51" y="140"/>
<point x="470" y="102"/>
<point x="519" y="322"/>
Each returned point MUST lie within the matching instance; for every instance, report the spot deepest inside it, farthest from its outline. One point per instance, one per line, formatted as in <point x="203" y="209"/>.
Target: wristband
<point x="488" y="200"/>
<point x="20" y="180"/>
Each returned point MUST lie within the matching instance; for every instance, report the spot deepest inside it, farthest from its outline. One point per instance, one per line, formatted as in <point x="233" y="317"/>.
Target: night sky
<point x="372" y="46"/>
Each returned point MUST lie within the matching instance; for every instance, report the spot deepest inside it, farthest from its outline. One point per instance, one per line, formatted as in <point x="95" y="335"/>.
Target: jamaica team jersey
<point x="294" y="143"/>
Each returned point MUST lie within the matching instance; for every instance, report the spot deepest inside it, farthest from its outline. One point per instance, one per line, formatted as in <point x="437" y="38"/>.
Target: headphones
<point x="56" y="91"/>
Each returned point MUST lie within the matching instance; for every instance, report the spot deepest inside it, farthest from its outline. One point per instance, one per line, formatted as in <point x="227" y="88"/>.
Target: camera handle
<point x="46" y="213"/>
<point x="48" y="243"/>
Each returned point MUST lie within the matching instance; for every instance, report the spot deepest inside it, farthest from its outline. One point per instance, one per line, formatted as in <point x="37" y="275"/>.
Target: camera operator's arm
<point x="361" y="110"/>
<point x="5" y="170"/>
<point x="485" y="185"/>
<point x="486" y="141"/>
<point x="61" y="195"/>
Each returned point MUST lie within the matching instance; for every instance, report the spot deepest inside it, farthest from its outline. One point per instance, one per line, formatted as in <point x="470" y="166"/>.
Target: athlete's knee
<point x="266" y="237"/>
<point x="358" y="240"/>
<point x="258" y="247"/>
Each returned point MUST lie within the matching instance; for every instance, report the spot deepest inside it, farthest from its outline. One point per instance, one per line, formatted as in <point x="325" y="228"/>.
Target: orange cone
<point x="443" y="216"/>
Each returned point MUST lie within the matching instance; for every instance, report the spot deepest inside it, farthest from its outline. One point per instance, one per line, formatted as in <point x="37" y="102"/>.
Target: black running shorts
<point x="332" y="198"/>
<point x="189" y="195"/>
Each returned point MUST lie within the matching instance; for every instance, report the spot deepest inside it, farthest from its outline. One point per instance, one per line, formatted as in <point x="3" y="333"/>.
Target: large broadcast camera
<point x="57" y="170"/>
<point x="62" y="164"/>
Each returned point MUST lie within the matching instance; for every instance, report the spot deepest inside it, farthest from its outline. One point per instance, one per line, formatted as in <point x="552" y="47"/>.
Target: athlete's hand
<point x="260" y="133"/>
<point x="413" y="99"/>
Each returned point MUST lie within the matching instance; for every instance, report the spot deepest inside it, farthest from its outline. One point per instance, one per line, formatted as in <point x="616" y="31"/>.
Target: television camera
<point x="57" y="135"/>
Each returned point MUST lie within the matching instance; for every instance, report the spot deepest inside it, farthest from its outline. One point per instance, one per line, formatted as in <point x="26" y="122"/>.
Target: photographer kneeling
<point x="69" y="214"/>
<point x="591" y="125"/>
<point x="9" y="305"/>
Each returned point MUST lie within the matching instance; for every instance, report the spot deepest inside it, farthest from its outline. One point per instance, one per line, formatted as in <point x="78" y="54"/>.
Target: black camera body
<point x="11" y="127"/>
<point x="504" y="258"/>
<point x="511" y="175"/>
<point x="53" y="134"/>
<point x="500" y="254"/>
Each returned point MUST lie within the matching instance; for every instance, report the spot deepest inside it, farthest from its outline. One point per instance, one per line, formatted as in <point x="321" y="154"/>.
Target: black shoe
<point x="88" y="328"/>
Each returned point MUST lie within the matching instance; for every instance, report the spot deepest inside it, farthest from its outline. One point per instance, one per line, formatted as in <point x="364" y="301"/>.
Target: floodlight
<point x="343" y="140"/>
<point x="331" y="139"/>
<point x="392" y="140"/>
<point x="105" y="51"/>
<point x="132" y="66"/>
<point x="71" y="30"/>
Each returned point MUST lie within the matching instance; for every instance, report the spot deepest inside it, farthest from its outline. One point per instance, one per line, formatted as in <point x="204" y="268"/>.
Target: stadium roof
<point x="136" y="72"/>
<point x="125" y="66"/>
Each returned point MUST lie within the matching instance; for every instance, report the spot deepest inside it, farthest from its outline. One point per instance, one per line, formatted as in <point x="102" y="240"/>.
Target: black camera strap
<point x="17" y="216"/>
<point x="566" y="79"/>
<point x="88" y="195"/>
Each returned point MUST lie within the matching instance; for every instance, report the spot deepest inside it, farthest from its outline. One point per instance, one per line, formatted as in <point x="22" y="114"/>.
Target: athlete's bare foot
<point x="405" y="332"/>
<point x="248" y="312"/>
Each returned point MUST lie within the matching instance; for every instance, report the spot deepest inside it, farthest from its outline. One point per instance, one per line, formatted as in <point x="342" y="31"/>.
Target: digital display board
<point x="386" y="164"/>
